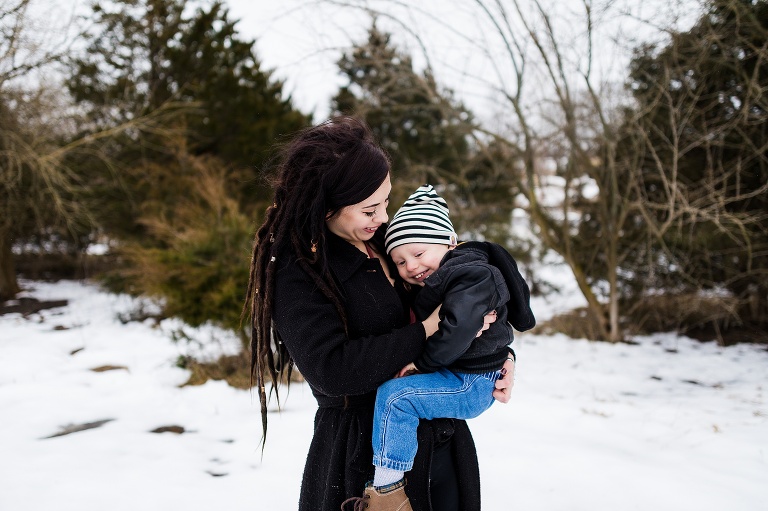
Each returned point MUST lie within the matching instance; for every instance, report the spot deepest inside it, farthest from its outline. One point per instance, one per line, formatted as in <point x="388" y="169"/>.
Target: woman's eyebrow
<point x="374" y="205"/>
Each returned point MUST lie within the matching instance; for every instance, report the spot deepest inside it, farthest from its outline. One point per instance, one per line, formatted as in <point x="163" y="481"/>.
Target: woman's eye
<point x="369" y="213"/>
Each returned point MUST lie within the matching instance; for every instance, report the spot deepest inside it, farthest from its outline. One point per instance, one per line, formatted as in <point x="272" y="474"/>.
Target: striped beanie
<point x="423" y="218"/>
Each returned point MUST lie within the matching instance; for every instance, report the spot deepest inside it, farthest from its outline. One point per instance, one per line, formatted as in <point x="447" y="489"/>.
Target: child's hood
<point x="519" y="310"/>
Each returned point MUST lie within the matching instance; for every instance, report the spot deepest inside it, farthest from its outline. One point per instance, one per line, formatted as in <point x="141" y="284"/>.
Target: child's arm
<point x="471" y="293"/>
<point x="411" y="368"/>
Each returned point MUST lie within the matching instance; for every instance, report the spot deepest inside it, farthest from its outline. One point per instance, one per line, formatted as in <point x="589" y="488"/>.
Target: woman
<point x="322" y="295"/>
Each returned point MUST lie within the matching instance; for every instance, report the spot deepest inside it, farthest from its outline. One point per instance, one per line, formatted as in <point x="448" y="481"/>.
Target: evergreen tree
<point x="182" y="192"/>
<point x="197" y="262"/>
<point x="428" y="134"/>
<point x="145" y="55"/>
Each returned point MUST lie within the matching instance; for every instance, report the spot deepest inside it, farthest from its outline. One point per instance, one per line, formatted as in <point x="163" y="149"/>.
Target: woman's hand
<point x="505" y="383"/>
<point x="488" y="319"/>
<point x="432" y="322"/>
<point x="407" y="370"/>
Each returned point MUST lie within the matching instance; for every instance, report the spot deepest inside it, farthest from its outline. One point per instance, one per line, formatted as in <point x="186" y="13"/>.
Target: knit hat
<point x="423" y="218"/>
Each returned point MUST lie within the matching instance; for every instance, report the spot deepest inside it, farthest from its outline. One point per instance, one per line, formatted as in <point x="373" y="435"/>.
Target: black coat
<point x="345" y="371"/>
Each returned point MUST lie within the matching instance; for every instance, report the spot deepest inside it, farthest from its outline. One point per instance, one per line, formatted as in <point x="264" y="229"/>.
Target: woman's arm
<point x="332" y="363"/>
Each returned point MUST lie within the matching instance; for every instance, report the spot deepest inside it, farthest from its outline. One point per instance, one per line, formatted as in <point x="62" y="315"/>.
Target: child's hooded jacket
<point x="474" y="279"/>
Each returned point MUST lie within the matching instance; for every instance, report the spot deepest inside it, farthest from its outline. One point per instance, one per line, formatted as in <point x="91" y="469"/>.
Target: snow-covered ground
<point x="666" y="424"/>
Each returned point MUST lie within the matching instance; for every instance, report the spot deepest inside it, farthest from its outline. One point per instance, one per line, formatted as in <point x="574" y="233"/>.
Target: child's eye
<point x="400" y="263"/>
<point x="419" y="254"/>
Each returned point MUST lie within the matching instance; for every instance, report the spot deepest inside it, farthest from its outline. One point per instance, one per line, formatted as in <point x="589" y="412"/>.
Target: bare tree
<point x="41" y="191"/>
<point x="699" y="135"/>
<point x="13" y="41"/>
<point x="24" y="175"/>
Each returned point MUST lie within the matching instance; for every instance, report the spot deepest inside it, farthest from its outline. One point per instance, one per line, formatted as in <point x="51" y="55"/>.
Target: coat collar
<point x="344" y="258"/>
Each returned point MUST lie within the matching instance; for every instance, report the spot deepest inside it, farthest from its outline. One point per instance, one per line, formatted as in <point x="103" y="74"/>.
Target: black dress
<point x="344" y="372"/>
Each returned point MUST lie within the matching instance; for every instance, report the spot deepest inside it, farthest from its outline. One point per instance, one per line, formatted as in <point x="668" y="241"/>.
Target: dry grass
<point x="681" y="312"/>
<point x="234" y="369"/>
<point x="577" y="324"/>
<point x="702" y="317"/>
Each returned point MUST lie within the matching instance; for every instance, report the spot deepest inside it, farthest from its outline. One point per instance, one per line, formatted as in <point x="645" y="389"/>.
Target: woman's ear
<point x="329" y="214"/>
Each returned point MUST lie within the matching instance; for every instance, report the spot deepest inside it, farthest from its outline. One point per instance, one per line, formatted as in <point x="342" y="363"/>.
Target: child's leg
<point x="401" y="402"/>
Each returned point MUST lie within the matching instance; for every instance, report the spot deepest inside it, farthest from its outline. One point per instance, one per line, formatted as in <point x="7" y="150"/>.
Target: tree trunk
<point x="614" y="332"/>
<point x="613" y="306"/>
<point x="593" y="304"/>
<point x="546" y="227"/>
<point x="9" y="286"/>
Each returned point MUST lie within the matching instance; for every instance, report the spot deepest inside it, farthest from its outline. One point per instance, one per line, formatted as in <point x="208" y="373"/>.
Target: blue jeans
<point x="401" y="402"/>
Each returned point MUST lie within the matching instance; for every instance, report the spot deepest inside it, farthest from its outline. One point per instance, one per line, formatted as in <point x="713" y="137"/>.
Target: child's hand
<point x="407" y="370"/>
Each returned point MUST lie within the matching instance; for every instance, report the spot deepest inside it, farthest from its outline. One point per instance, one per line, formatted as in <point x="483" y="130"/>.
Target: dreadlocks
<point x="321" y="170"/>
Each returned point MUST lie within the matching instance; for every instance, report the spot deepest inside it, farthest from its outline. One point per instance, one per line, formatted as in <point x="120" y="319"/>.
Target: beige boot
<point x="393" y="499"/>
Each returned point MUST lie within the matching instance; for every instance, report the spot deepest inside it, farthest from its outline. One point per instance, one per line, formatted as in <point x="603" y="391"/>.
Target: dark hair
<point x="321" y="170"/>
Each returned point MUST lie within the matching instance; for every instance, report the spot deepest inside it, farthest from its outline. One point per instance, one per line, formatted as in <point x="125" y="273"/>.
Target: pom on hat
<point x="423" y="218"/>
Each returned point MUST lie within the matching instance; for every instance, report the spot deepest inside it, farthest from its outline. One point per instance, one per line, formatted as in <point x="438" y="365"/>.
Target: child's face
<point x="417" y="261"/>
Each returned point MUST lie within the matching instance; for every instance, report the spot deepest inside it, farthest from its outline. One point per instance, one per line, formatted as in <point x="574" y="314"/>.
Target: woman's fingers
<point x="504" y="384"/>
<point x="407" y="370"/>
<point x="488" y="319"/>
<point x="432" y="322"/>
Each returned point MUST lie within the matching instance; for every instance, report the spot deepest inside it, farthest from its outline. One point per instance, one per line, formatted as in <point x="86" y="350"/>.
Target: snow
<point x="665" y="424"/>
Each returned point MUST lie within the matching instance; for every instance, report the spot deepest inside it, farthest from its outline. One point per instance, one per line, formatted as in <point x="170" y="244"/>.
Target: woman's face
<point x="357" y="223"/>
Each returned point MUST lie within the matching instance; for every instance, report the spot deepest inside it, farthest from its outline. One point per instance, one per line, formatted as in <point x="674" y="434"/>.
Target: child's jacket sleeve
<point x="470" y="293"/>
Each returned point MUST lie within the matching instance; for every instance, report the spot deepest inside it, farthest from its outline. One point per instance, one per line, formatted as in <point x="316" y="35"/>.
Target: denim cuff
<point x="403" y="466"/>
